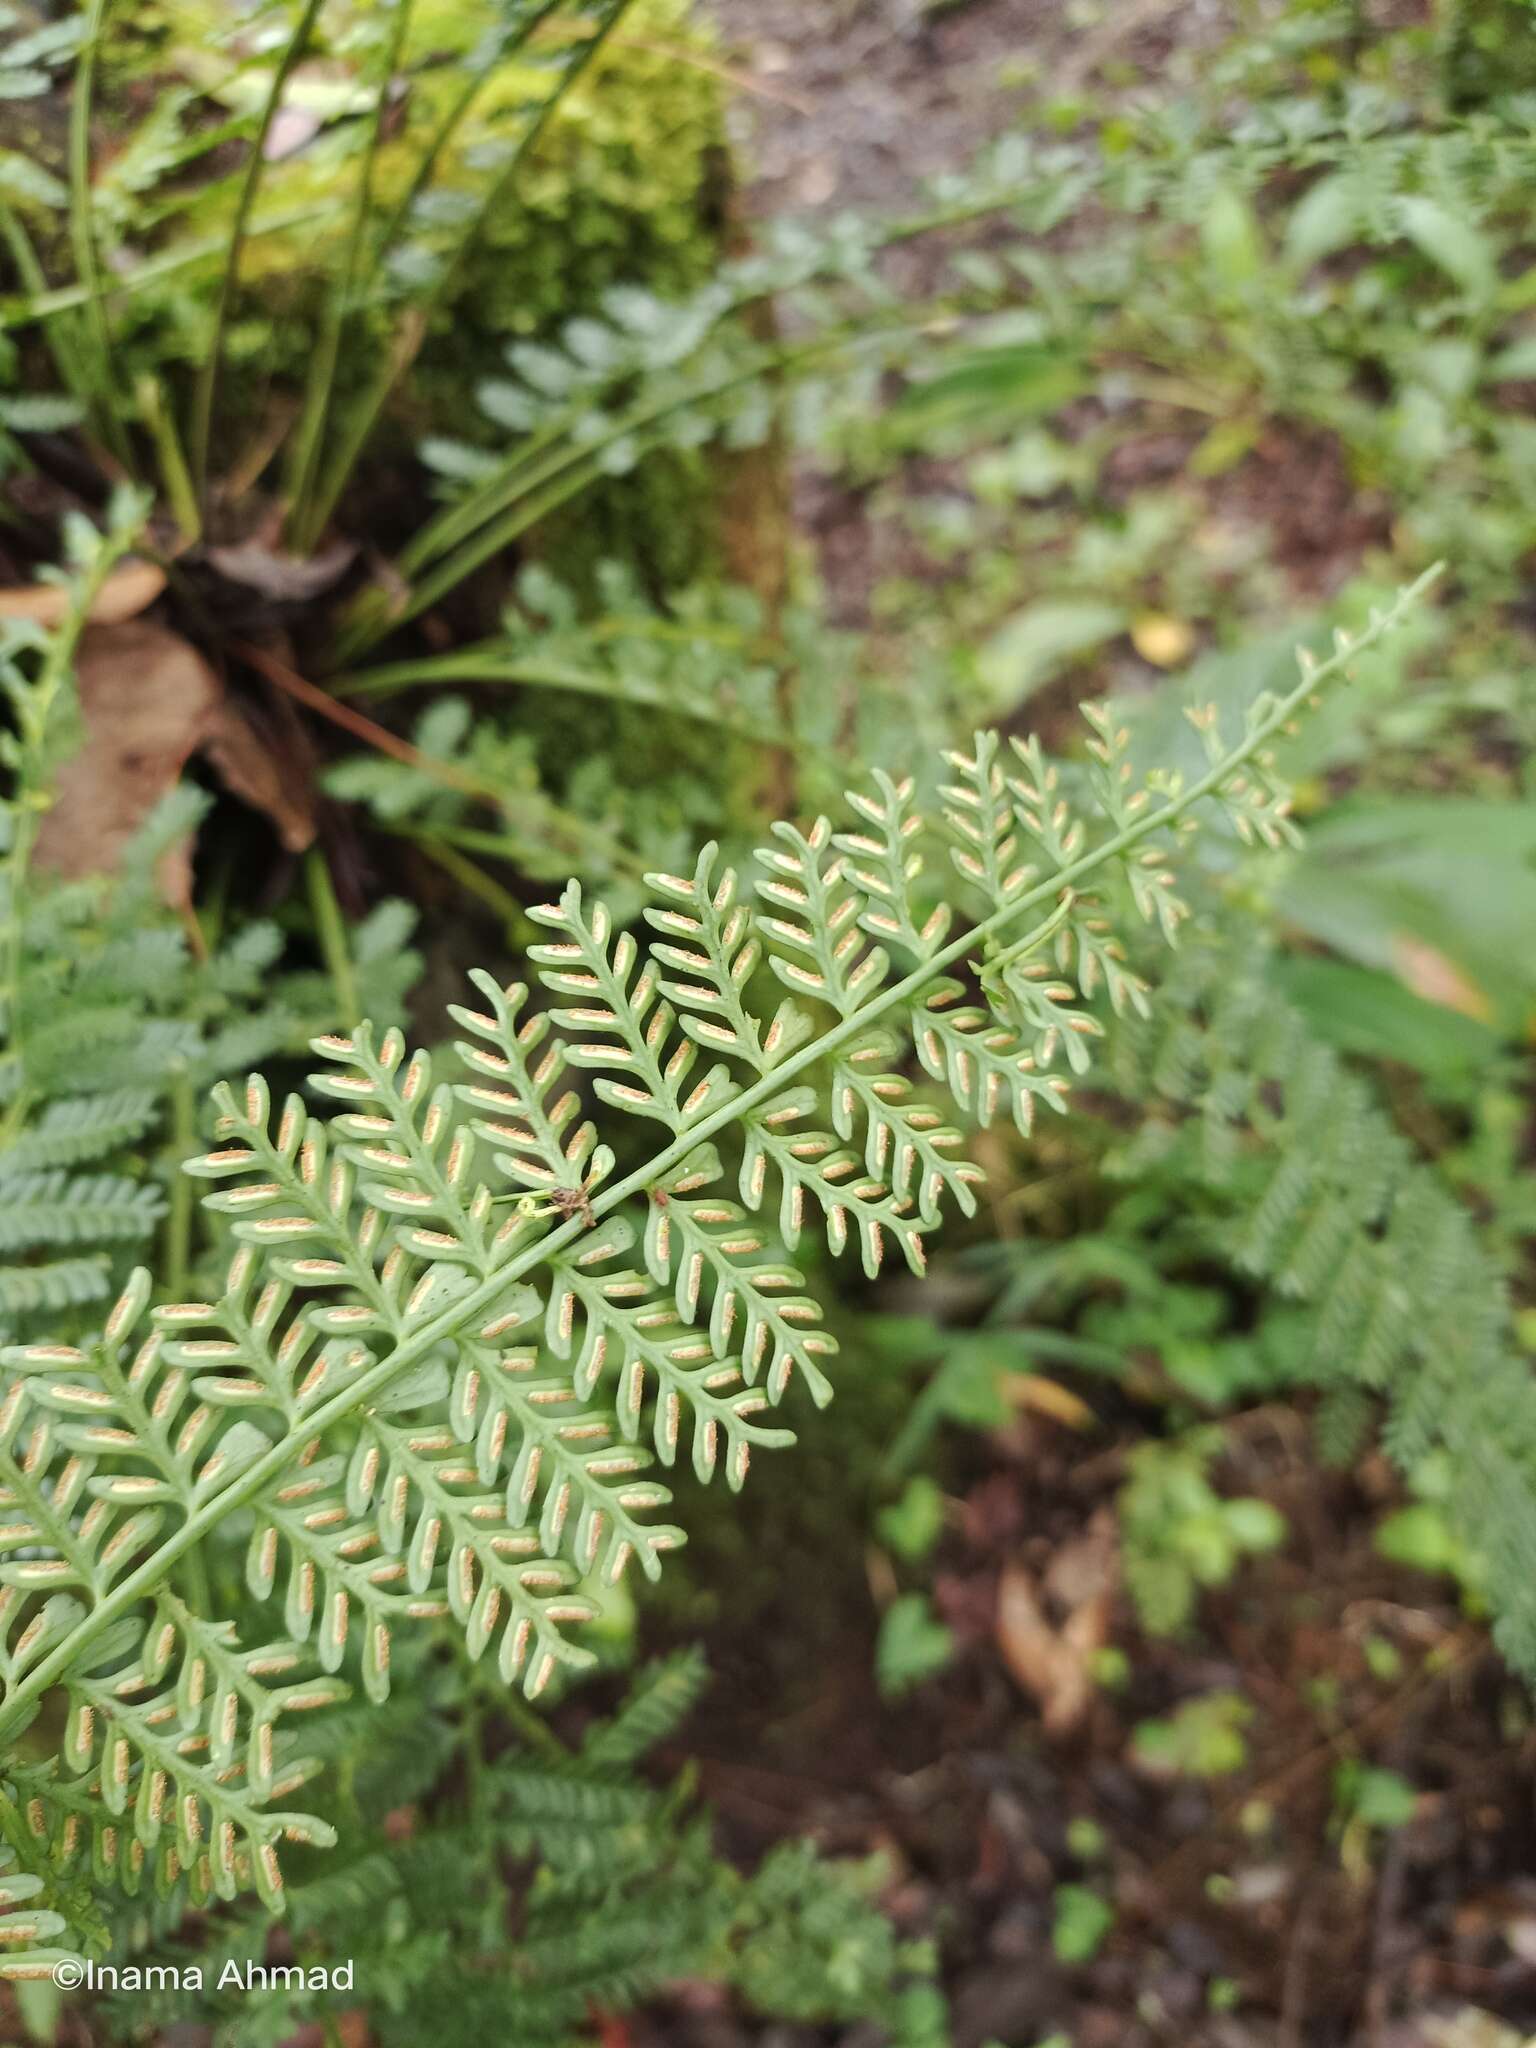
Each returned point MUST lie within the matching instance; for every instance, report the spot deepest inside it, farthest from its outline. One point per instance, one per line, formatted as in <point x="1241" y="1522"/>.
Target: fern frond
<point x="406" y="1380"/>
<point x="658" y="1702"/>
<point x="1317" y="1193"/>
<point x="73" y="1528"/>
<point x="54" y="1286"/>
<point x="62" y="1208"/>
<point x="76" y="1129"/>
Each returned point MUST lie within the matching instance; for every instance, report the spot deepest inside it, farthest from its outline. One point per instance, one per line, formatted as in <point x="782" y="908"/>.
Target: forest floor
<point x="1248" y="1913"/>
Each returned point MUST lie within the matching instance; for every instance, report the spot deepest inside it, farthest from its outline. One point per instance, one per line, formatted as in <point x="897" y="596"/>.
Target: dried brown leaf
<point x="258" y="767"/>
<point x="280" y="577"/>
<point x="148" y="703"/>
<point x="1054" y="1661"/>
<point x="146" y="696"/>
<point x="1042" y="1396"/>
<point x="1431" y="975"/>
<point x="130" y="589"/>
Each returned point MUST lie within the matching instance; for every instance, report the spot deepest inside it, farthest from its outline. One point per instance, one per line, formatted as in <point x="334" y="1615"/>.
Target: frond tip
<point x="453" y="1346"/>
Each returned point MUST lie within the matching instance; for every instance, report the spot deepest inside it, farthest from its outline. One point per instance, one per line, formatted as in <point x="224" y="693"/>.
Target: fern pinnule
<point x="25" y="1921"/>
<point x="454" y="1336"/>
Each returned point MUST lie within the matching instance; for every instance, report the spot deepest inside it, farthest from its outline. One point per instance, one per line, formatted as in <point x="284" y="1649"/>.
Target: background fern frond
<point x="1312" y="1189"/>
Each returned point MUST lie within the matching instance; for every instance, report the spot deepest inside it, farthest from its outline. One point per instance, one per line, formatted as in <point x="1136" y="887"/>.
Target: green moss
<point x="623" y="187"/>
<point x="620" y="188"/>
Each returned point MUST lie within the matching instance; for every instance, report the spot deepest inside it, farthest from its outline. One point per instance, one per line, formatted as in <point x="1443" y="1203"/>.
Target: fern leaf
<point x="55" y="1208"/>
<point x="1323" y="1198"/>
<point x="658" y="1702"/>
<point x="53" y="1287"/>
<point x="73" y="1528"/>
<point x="407" y="1379"/>
<point x="75" y="1130"/>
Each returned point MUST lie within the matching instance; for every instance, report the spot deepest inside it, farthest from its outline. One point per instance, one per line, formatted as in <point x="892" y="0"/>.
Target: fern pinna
<point x="455" y="1340"/>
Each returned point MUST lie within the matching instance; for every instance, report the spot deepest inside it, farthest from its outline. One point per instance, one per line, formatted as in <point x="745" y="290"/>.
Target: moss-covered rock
<point x="621" y="186"/>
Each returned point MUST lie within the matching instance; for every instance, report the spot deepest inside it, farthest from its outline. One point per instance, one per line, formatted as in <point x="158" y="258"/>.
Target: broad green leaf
<point x="1454" y="244"/>
<point x="1438" y="891"/>
<point x="986" y="391"/>
<point x="1364" y="1011"/>
<point x="1518" y="361"/>
<point x="912" y="1645"/>
<point x="1039" y="642"/>
<point x="1326" y="219"/>
<point x="1230" y="238"/>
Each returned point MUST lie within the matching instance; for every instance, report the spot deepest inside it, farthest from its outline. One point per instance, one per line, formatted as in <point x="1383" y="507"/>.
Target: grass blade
<point x="208" y="379"/>
<point x="309" y="440"/>
<point x="82" y="234"/>
<point x="368" y="412"/>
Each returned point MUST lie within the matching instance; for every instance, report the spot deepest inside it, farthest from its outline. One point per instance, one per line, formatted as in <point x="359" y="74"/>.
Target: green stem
<point x="70" y="298"/>
<point x="331" y="931"/>
<point x="579" y="835"/>
<point x="458" y="521"/>
<point x="494" y="663"/>
<point x="367" y="416"/>
<point x="178" y="1223"/>
<point x="471" y="876"/>
<point x="565" y="473"/>
<point x="82" y="232"/>
<point x="62" y="341"/>
<point x="264" y="1471"/>
<point x="174" y="473"/>
<point x="208" y="380"/>
<point x="309" y="439"/>
<point x="426" y="165"/>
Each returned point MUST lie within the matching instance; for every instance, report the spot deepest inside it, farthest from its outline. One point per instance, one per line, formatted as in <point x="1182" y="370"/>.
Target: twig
<point x="1290" y="2032"/>
<point x="356" y="723"/>
<point x="443" y="772"/>
<point x="1390" y="1881"/>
